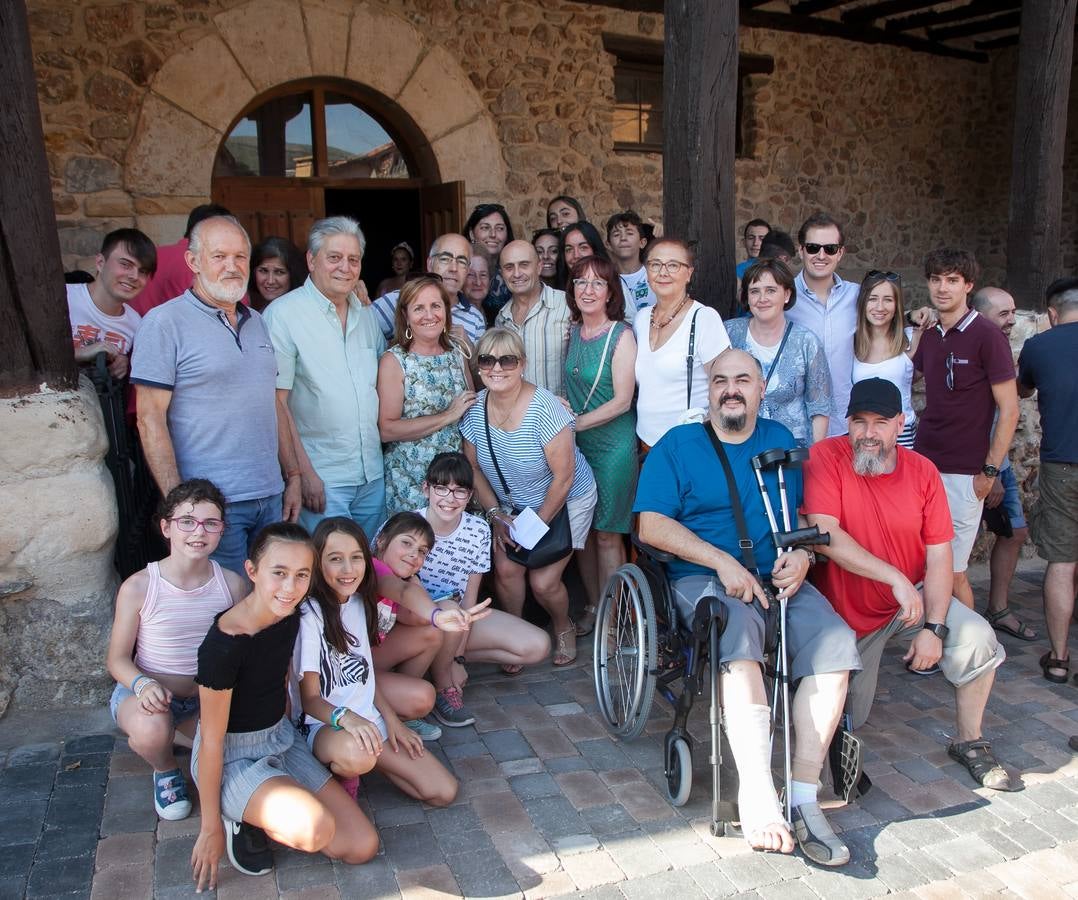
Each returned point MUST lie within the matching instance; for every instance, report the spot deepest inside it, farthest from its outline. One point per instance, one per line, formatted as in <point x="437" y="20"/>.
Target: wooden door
<point x="272" y="208"/>
<point x="442" y="210"/>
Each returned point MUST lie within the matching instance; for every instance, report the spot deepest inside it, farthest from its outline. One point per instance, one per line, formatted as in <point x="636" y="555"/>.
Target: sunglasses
<point x="893" y="277"/>
<point x="508" y="362"/>
<point x="950" y="372"/>
<point x="829" y="249"/>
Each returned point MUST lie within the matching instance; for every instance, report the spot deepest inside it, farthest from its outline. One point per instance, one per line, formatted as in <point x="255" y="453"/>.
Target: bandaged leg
<point x="747" y="730"/>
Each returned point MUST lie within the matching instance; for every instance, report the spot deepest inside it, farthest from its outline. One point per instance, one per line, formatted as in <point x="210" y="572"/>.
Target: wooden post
<point x="1045" y="48"/>
<point x="35" y="333"/>
<point x="699" y="123"/>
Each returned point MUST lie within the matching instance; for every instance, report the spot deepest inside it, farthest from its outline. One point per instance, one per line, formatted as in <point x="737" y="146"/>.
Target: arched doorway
<point x="321" y="147"/>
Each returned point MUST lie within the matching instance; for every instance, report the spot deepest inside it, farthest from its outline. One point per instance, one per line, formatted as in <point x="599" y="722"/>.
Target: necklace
<point x="661" y="325"/>
<point x="501" y="421"/>
<point x="599" y="332"/>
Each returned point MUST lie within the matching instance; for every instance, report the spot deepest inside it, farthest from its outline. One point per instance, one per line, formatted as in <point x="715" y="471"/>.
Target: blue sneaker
<point x="170" y="795"/>
<point x="424" y="729"/>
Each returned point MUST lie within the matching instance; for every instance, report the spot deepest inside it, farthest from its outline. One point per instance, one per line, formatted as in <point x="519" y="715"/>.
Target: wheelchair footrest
<point x="847" y="775"/>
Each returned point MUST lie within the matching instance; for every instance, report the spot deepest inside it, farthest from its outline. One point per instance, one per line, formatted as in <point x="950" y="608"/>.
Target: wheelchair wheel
<point x="679" y="772"/>
<point x="625" y="652"/>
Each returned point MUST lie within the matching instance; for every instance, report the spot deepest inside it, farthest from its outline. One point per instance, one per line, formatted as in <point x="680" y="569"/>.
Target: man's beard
<point x="869" y="462"/>
<point x="224" y="291"/>
<point x="733" y="423"/>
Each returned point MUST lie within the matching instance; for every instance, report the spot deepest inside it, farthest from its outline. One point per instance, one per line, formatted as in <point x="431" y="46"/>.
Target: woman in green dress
<point x="424" y="387"/>
<point x="599" y="383"/>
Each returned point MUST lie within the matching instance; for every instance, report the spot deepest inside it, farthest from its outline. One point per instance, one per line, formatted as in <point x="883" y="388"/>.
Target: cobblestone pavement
<point x="550" y="805"/>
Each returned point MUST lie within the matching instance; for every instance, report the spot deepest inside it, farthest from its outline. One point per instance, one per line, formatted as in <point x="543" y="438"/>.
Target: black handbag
<point x="555" y="545"/>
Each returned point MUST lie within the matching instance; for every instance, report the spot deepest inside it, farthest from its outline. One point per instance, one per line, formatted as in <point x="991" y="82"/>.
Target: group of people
<point x="368" y="462"/>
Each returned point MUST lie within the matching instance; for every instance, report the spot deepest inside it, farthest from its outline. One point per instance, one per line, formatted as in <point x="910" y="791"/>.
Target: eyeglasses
<point x="508" y="362"/>
<point x="673" y="266"/>
<point x="950" y="372"/>
<point x="893" y="277"/>
<point x="829" y="249"/>
<point x="448" y="259"/>
<point x="444" y="490"/>
<point x="190" y="523"/>
<point x="582" y="284"/>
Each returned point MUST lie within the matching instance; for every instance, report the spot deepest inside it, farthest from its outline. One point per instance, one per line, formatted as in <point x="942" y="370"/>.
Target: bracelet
<point x="433" y="613"/>
<point x="459" y="660"/>
<point x="135" y="683"/>
<point x="145" y="684"/>
<point x="335" y="718"/>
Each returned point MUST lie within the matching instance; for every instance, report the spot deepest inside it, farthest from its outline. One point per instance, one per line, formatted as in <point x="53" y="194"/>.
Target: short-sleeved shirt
<point x="331" y="376"/>
<point x="222" y="418"/>
<point x="662" y="376"/>
<point x="464" y="313"/>
<point x="637" y="291"/>
<point x="834" y="323"/>
<point x="455" y="557"/>
<point x="254" y="667"/>
<point x="683" y="480"/>
<point x="895" y="517"/>
<point x="545" y="333"/>
<point x="520" y="452"/>
<point x="956" y="423"/>
<point x="1043" y="365"/>
<point x="345" y="679"/>
<point x="90" y="325"/>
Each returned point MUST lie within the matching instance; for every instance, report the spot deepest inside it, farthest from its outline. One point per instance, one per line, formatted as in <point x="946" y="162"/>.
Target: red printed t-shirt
<point x="955" y="427"/>
<point x="894" y="517"/>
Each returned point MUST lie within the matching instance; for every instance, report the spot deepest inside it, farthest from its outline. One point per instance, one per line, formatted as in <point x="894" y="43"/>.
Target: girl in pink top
<point x="162" y="615"/>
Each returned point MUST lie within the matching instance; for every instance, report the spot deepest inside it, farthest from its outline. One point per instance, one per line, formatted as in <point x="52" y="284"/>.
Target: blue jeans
<point x="243" y="520"/>
<point x="364" y="504"/>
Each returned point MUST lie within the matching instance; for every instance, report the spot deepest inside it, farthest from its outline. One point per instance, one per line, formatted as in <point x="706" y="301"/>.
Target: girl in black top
<point x="249" y="762"/>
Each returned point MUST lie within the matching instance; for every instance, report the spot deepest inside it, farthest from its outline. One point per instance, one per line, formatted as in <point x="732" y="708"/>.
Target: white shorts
<point x="581" y="512"/>
<point x="965" y="516"/>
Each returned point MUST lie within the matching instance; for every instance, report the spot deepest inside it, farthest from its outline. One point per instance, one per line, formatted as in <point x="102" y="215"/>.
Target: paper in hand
<point x="528" y="529"/>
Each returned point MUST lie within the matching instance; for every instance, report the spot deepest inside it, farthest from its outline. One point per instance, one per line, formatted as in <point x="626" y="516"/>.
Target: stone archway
<point x="197" y="93"/>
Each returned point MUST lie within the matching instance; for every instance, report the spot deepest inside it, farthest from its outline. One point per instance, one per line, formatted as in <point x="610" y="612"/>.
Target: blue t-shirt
<point x="683" y="479"/>
<point x="1039" y="367"/>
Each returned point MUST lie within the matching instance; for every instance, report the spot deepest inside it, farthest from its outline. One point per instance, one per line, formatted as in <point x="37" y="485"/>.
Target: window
<point x="312" y="133"/>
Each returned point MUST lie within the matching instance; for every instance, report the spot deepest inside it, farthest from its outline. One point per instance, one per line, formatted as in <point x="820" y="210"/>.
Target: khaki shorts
<point x="1054" y="520"/>
<point x="970" y="650"/>
<point x="965" y="516"/>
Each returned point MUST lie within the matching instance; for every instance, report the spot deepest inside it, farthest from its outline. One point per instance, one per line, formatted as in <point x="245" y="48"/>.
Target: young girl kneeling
<point x="338" y="625"/>
<point x="162" y="615"/>
<point x="250" y="763"/>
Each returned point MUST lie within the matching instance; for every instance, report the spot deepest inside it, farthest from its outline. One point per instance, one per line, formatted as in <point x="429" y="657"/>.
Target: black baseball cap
<point x="877" y="395"/>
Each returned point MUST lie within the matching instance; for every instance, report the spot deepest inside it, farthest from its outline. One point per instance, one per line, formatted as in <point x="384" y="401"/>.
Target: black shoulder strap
<point x="744" y="541"/>
<point x="778" y="353"/>
<point x="490" y="447"/>
<point x="689" y="360"/>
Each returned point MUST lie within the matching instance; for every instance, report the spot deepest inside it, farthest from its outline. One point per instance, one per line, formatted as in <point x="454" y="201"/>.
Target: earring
<point x="408" y="333"/>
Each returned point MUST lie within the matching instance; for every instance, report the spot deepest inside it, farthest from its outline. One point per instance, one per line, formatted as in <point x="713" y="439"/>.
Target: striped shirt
<point x="520" y="452"/>
<point x="464" y="313"/>
<point x="545" y="333"/>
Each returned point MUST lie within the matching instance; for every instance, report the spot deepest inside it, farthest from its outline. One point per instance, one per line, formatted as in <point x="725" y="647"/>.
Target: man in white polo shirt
<point x="328" y="344"/>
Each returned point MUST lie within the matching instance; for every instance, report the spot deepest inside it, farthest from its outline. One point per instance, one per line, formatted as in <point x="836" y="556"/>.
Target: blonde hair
<point x="495" y="341"/>
<point x="862" y="338"/>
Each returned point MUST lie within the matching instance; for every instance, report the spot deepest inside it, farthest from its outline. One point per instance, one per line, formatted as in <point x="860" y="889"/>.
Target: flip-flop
<point x="511" y="670"/>
<point x="1019" y="632"/>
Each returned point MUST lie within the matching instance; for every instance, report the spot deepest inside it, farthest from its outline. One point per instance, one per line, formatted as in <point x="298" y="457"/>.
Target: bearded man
<point x="891" y="571"/>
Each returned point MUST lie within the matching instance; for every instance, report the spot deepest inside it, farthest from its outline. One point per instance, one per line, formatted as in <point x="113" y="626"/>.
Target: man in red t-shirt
<point x="890" y="570"/>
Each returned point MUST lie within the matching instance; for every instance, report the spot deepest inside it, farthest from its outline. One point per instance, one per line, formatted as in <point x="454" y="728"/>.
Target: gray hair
<point x="194" y="243"/>
<point x="326" y="228"/>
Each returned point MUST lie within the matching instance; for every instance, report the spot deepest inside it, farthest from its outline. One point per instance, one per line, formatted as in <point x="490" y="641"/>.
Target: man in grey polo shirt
<point x="205" y="373"/>
<point x="328" y="345"/>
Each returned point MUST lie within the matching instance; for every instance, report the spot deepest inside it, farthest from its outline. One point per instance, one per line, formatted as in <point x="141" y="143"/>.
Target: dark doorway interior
<point x="387" y="216"/>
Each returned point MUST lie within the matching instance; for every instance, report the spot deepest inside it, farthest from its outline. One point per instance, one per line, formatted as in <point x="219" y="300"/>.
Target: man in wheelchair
<point x="685" y="506"/>
<point x="890" y="572"/>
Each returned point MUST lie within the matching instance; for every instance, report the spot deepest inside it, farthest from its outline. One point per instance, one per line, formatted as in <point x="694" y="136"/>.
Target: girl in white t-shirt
<point x="350" y="726"/>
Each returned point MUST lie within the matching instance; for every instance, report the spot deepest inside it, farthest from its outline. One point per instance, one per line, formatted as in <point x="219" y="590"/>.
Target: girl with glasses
<point x="162" y="615"/>
<point x="882" y="347"/>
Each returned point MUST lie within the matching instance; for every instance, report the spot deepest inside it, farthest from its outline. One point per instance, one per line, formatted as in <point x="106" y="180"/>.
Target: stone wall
<point x="57" y="582"/>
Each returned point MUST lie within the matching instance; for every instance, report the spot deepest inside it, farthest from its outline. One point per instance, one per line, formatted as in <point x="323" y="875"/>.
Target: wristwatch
<point x="811" y="555"/>
<point x="990" y="470"/>
<point x="940" y="631"/>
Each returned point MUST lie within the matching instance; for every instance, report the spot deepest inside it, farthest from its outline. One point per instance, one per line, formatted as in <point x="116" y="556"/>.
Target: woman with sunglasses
<point x="519" y="441"/>
<point x="424" y="387"/>
<point x="797" y="380"/>
<point x="676" y="340"/>
<point x="600" y="380"/>
<point x="489" y="225"/>
<point x="882" y="347"/>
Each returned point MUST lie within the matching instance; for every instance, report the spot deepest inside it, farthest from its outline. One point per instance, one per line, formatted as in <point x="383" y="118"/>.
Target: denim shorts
<point x="1012" y="502"/>
<point x="182" y="707"/>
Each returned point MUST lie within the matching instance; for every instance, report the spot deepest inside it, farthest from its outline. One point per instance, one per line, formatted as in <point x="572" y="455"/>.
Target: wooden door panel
<point x="442" y="210"/>
<point x="274" y="209"/>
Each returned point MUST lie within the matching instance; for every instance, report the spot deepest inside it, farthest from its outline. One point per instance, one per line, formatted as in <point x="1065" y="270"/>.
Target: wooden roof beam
<point x="957" y="14"/>
<point x="811" y="7"/>
<point x="981" y="26"/>
<point x="863" y="15"/>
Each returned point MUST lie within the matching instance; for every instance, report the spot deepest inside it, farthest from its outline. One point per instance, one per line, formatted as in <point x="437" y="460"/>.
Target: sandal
<point x="565" y="650"/>
<point x="1047" y="662"/>
<point x="586" y="623"/>
<point x="982" y="765"/>
<point x="1023" y="632"/>
<point x="511" y="670"/>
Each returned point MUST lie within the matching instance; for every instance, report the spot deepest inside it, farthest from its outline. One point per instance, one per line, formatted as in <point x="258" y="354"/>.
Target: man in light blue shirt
<point x="328" y="345"/>
<point x="827" y="306"/>
<point x="753" y="239"/>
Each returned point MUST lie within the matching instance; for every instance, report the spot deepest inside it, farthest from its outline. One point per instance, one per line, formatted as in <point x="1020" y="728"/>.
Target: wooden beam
<point x="811" y="7"/>
<point x="700" y="75"/>
<point x="997" y="43"/>
<point x="862" y="34"/>
<point x="955" y="14"/>
<point x="862" y="15"/>
<point x="35" y="332"/>
<point x="980" y="26"/>
<point x="1045" y="53"/>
